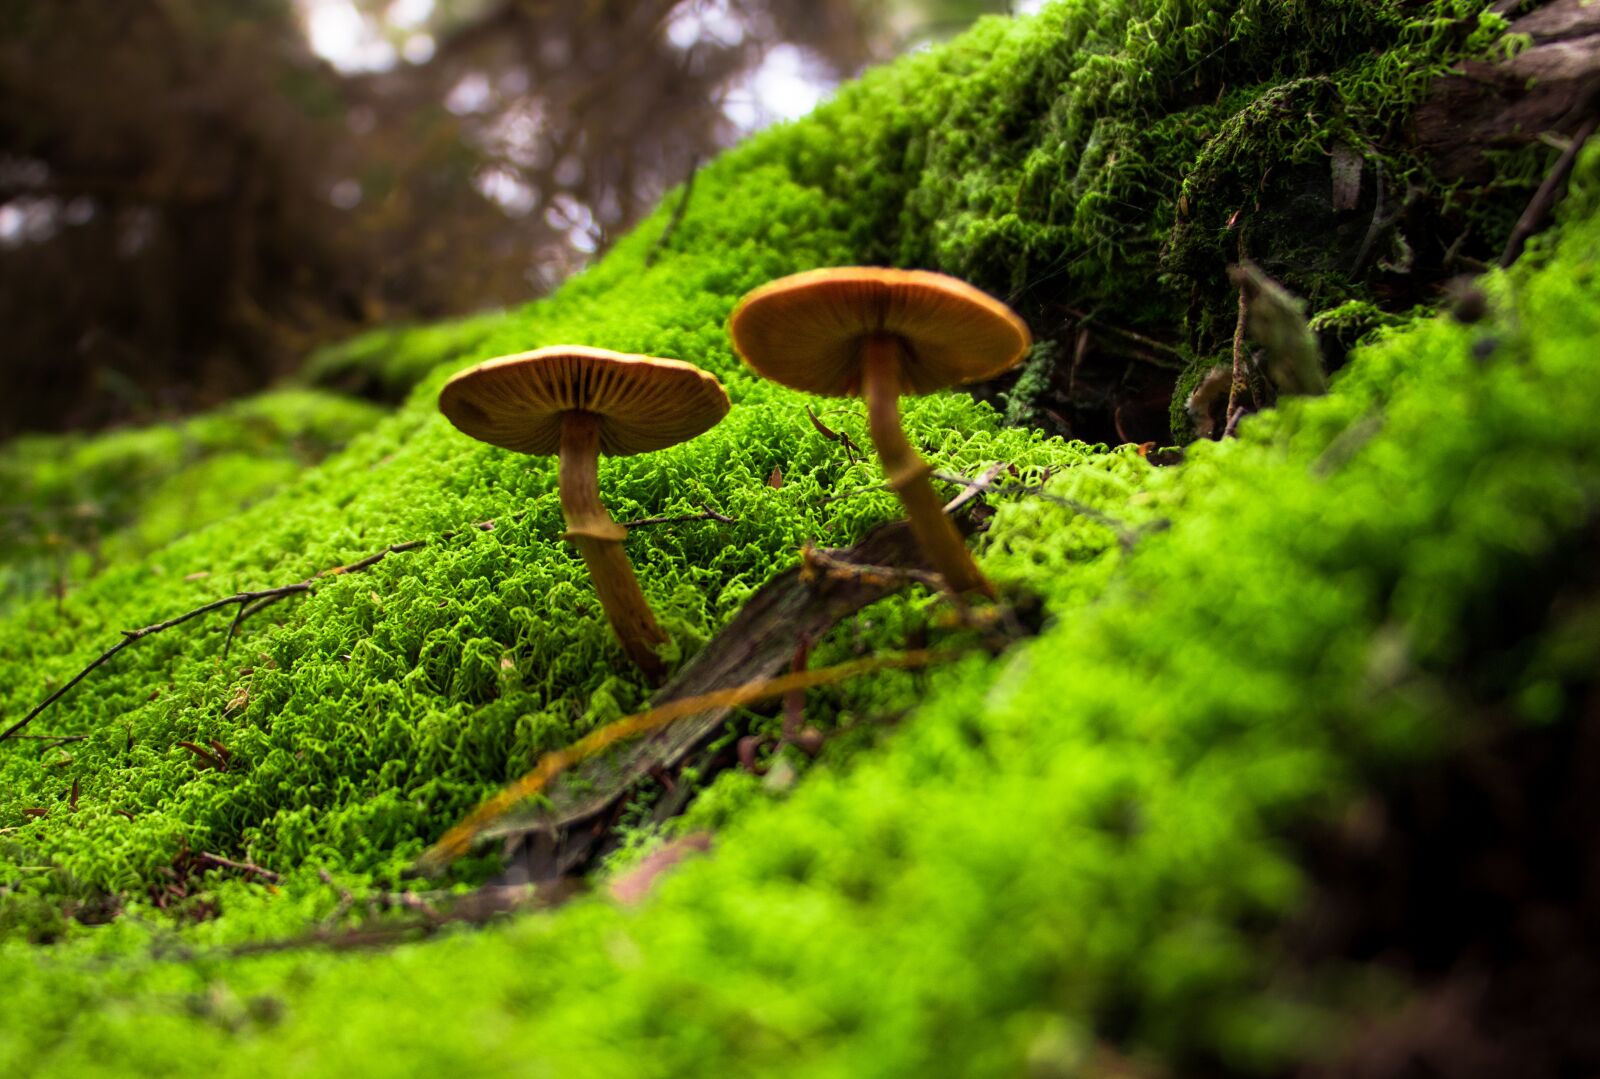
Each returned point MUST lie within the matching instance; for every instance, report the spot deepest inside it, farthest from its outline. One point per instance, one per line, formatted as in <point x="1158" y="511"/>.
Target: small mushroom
<point x="877" y="333"/>
<point x="580" y="402"/>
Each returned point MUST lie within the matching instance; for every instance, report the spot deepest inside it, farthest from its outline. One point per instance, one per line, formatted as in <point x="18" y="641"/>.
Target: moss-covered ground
<point x="74" y="504"/>
<point x="1081" y="847"/>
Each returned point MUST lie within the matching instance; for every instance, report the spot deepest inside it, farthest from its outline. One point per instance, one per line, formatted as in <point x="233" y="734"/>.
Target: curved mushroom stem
<point x="599" y="540"/>
<point x="908" y="473"/>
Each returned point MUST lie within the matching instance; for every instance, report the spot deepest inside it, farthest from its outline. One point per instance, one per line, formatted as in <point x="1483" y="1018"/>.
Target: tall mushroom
<point x="877" y="333"/>
<point x="580" y="402"/>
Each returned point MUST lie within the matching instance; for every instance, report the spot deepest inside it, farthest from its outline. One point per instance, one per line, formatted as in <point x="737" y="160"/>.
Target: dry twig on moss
<point x="216" y="861"/>
<point x="250" y="603"/>
<point x="1544" y="200"/>
<point x="709" y="515"/>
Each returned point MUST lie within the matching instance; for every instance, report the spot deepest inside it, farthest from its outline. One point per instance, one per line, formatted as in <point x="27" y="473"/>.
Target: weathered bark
<point x="1548" y="88"/>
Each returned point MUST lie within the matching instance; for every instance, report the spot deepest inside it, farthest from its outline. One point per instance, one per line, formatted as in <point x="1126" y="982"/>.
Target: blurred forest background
<point x="194" y="193"/>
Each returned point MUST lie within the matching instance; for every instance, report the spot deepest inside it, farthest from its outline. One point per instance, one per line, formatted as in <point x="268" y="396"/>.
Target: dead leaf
<point x="822" y="429"/>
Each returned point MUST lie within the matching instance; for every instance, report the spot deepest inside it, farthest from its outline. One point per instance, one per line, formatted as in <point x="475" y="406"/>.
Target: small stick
<point x="976" y="487"/>
<point x="1038" y="491"/>
<point x="1238" y="349"/>
<point x="1086" y="317"/>
<point x="249" y="603"/>
<point x="131" y="636"/>
<point x="675" y="220"/>
<point x="1544" y="199"/>
<point x="709" y="515"/>
<point x="219" y="862"/>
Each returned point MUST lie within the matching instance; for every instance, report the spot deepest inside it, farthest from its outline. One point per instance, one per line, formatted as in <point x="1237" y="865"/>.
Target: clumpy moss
<point x="385" y="363"/>
<point x="75" y="503"/>
<point x="1082" y="841"/>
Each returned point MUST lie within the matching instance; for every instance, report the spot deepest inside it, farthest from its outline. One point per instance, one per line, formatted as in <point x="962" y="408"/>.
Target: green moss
<point x="385" y="363"/>
<point x="75" y="503"/>
<point x="1083" y="839"/>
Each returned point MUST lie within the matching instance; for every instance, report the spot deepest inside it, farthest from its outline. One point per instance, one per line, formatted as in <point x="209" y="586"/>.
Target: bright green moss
<point x="1084" y="838"/>
<point x="387" y="362"/>
<point x="74" y="504"/>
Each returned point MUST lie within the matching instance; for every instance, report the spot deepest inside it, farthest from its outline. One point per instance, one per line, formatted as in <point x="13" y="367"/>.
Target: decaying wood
<point x="759" y="643"/>
<point x="1548" y="87"/>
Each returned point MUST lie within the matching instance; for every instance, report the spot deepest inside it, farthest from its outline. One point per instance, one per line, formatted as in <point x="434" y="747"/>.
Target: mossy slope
<point x="1082" y="839"/>
<point x="75" y="503"/>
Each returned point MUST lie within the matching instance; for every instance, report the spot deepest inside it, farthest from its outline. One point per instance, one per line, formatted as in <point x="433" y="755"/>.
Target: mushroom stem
<point x="908" y="473"/>
<point x="599" y="540"/>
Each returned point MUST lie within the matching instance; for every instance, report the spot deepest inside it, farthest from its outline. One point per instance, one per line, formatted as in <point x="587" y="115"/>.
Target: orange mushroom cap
<point x="644" y="403"/>
<point x="805" y="331"/>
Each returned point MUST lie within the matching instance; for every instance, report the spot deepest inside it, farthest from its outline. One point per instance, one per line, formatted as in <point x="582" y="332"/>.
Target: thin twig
<point x="1086" y="317"/>
<point x="854" y="494"/>
<point x="1544" y="199"/>
<point x="1238" y="346"/>
<point x="675" y="220"/>
<point x="977" y="487"/>
<point x="219" y="862"/>
<point x="1125" y="535"/>
<point x="131" y="636"/>
<point x="1375" y="228"/>
<point x="249" y="603"/>
<point x="709" y="515"/>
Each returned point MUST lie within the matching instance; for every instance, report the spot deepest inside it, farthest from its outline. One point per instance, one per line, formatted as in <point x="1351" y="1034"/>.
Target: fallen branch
<point x="459" y="839"/>
<point x="1549" y="192"/>
<point x="759" y="643"/>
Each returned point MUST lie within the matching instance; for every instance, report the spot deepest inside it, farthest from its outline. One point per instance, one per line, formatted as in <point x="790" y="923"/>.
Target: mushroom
<point x="877" y="333"/>
<point x="580" y="402"/>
